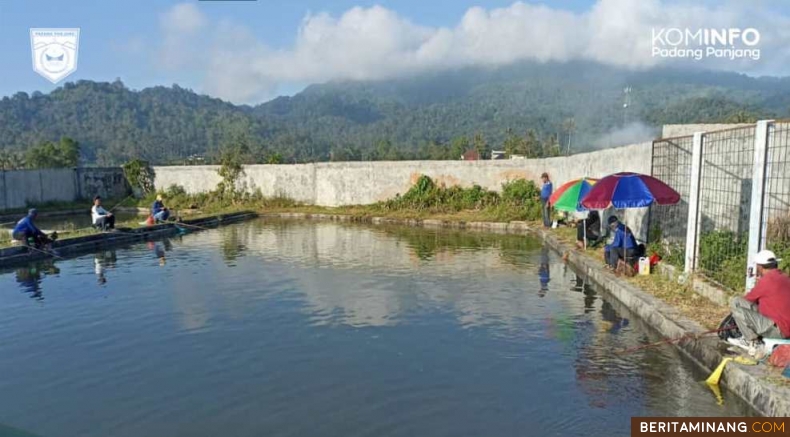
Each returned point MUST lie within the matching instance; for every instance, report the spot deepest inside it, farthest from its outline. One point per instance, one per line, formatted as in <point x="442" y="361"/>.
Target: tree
<point x="50" y="155"/>
<point x="569" y="127"/>
<point x="458" y="147"/>
<point x="231" y="170"/>
<point x="551" y="147"/>
<point x="514" y="145"/>
<point x="531" y="145"/>
<point x="480" y="145"/>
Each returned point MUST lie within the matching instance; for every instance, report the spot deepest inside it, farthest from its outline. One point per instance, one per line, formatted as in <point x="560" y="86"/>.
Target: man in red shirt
<point x="765" y="311"/>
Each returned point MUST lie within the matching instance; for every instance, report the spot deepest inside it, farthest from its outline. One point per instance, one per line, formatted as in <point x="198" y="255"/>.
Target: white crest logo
<point x="54" y="52"/>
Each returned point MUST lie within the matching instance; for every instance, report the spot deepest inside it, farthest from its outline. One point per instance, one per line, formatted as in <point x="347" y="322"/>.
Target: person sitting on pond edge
<point x="764" y="312"/>
<point x="624" y="245"/>
<point x="100" y="217"/>
<point x="26" y="231"/>
<point x="158" y="211"/>
<point x="545" y="194"/>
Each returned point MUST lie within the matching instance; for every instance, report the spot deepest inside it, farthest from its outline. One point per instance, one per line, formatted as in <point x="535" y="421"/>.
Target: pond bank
<point x="75" y="246"/>
<point x="753" y="384"/>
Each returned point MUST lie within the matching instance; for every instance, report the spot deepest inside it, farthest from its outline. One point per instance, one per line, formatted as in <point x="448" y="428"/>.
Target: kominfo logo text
<point x="698" y="44"/>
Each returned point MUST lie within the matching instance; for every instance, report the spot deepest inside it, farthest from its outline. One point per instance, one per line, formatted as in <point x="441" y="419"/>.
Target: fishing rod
<point x="192" y="226"/>
<point x="46" y="252"/>
<point x="119" y="203"/>
<point x="694" y="335"/>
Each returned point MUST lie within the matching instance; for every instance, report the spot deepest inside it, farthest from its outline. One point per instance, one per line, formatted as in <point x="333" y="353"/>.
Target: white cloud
<point x="181" y="41"/>
<point x="378" y="43"/>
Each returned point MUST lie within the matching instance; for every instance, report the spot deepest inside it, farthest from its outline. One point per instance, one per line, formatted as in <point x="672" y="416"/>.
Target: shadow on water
<point x="7" y="431"/>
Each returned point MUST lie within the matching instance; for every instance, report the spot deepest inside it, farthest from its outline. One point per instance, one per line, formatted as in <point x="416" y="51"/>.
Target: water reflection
<point x="544" y="272"/>
<point x="408" y="332"/>
<point x="30" y="277"/>
<point x="232" y="247"/>
<point x="102" y="261"/>
<point x="160" y="249"/>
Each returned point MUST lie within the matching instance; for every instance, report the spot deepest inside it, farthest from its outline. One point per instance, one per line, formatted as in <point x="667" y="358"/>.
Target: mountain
<point x="401" y="118"/>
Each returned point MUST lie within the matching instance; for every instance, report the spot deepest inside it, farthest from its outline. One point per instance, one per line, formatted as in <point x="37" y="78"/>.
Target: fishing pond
<point x="288" y="328"/>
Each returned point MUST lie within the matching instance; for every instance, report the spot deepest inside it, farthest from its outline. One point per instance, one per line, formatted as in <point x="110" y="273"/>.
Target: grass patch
<point x="519" y="201"/>
<point x="682" y="297"/>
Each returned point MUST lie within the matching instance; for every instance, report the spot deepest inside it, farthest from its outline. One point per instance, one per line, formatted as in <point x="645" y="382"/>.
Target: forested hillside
<point x="534" y="109"/>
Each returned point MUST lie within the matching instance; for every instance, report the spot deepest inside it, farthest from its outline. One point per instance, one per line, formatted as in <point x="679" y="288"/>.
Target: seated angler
<point x="765" y="311"/>
<point x="102" y="218"/>
<point x="158" y="211"/>
<point x="28" y="233"/>
<point x="624" y="245"/>
<point x="589" y="229"/>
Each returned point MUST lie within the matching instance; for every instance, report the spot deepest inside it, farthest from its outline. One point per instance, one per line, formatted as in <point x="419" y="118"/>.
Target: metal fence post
<point x="692" y="228"/>
<point x="756" y="216"/>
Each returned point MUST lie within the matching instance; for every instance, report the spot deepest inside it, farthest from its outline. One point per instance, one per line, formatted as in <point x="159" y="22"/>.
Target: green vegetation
<point x="63" y="154"/>
<point x="528" y="108"/>
<point x="140" y="176"/>
<point x="722" y="256"/>
<point x="519" y="200"/>
<point x="671" y="253"/>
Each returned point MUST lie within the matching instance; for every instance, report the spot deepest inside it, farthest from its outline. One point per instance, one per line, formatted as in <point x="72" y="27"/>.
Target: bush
<point x="520" y="192"/>
<point x="519" y="199"/>
<point x="140" y="176"/>
<point x="671" y="253"/>
<point x="722" y="254"/>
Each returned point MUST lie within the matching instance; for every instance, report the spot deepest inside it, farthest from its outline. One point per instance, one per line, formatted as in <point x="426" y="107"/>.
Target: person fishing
<point x="588" y="229"/>
<point x="624" y="245"/>
<point x="764" y="312"/>
<point x="28" y="233"/>
<point x="101" y="218"/>
<point x="545" y="194"/>
<point x="159" y="212"/>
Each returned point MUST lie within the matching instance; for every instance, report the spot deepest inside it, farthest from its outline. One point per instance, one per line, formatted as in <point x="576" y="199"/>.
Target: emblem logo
<point x="54" y="52"/>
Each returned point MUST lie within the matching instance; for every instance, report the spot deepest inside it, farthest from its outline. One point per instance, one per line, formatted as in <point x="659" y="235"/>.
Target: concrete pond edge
<point x="747" y="382"/>
<point x="11" y="256"/>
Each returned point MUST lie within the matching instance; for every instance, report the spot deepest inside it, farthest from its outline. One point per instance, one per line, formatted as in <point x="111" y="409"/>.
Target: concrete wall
<point x="20" y="188"/>
<point x="359" y="183"/>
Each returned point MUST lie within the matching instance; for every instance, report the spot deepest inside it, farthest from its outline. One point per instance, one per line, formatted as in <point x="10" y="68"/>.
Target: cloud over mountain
<point x="378" y="43"/>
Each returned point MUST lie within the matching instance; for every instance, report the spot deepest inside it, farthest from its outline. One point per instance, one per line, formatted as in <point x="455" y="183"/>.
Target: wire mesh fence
<point x="776" y="200"/>
<point x="668" y="223"/>
<point x="724" y="205"/>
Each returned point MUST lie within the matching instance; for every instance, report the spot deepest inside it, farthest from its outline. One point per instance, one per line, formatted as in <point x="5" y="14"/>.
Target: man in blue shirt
<point x="26" y="230"/>
<point x="158" y="210"/>
<point x="545" y="193"/>
<point x="624" y="245"/>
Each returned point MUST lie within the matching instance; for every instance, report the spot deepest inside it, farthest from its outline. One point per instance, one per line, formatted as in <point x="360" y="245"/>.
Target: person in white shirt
<point x="102" y="218"/>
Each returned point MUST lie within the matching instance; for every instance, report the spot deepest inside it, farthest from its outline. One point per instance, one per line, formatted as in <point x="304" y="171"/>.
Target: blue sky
<point x="252" y="51"/>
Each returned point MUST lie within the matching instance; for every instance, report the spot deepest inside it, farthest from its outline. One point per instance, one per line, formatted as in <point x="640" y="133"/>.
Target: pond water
<point x="290" y="329"/>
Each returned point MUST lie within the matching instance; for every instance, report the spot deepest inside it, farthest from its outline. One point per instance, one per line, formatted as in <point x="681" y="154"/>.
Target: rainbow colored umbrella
<point x="568" y="197"/>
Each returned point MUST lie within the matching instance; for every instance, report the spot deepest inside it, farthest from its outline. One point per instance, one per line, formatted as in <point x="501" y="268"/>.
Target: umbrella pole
<point x="625" y="233"/>
<point x="584" y="223"/>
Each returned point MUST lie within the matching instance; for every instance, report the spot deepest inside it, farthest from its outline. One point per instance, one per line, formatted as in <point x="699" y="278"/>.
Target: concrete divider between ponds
<point x="79" y="245"/>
